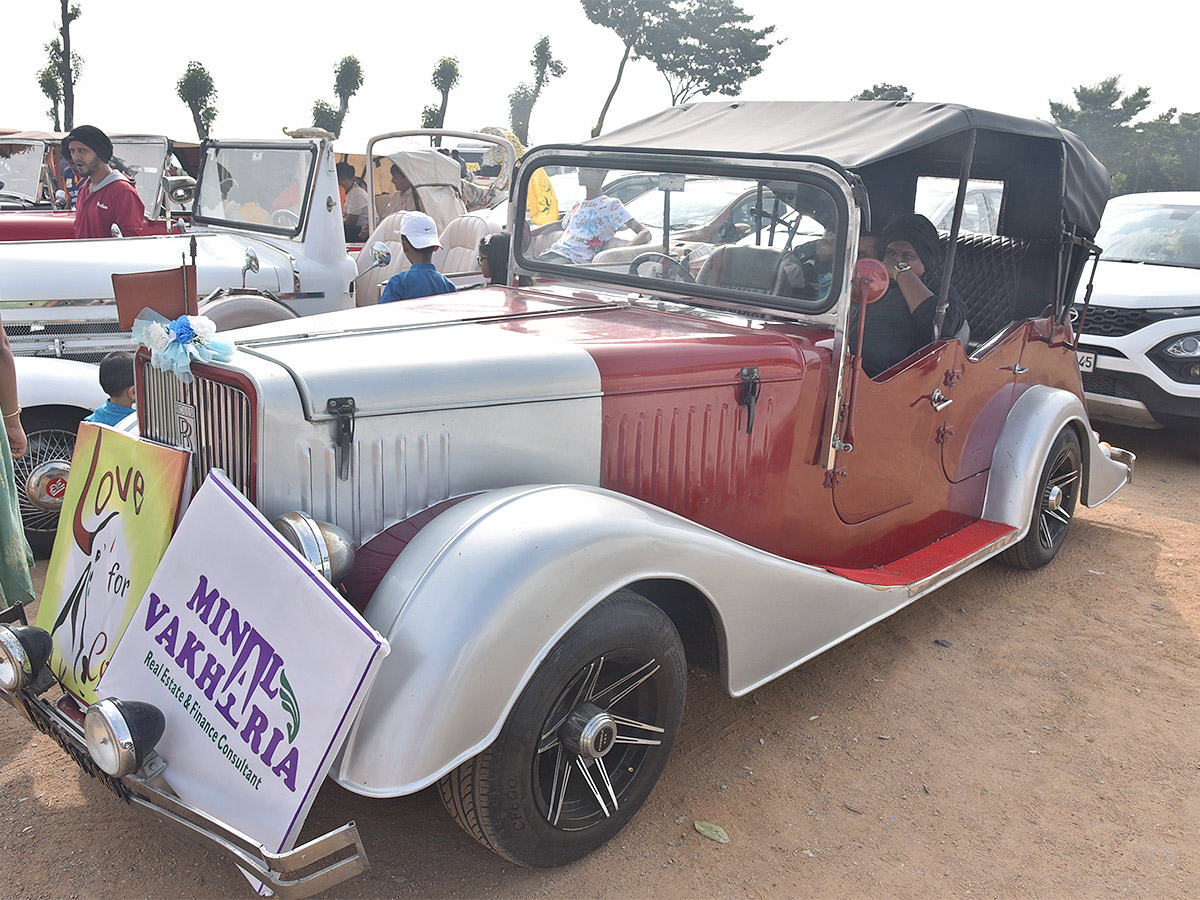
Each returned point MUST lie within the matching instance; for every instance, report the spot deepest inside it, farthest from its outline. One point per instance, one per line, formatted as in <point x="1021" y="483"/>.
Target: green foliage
<point x="429" y="117"/>
<point x="705" y="47"/>
<point x="1162" y="154"/>
<point x="67" y="62"/>
<point x="51" y="85"/>
<point x="525" y="95"/>
<point x="347" y="79"/>
<point x="197" y="90"/>
<point x="445" y="78"/>
<point x="325" y="116"/>
<point x="701" y="47"/>
<point x="50" y="79"/>
<point x="884" y="91"/>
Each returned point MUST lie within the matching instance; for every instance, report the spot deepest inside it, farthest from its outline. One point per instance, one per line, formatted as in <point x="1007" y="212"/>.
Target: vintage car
<point x="564" y="495"/>
<point x="265" y="237"/>
<point x="33" y="186"/>
<point x="1139" y="341"/>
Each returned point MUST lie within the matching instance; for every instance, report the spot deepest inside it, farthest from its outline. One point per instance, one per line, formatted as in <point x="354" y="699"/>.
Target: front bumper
<point x="301" y="872"/>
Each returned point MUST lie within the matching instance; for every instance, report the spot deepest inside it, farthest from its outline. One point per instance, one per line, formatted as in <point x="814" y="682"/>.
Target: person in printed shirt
<point x="116" y="379"/>
<point x="107" y="197"/>
<point x="592" y="222"/>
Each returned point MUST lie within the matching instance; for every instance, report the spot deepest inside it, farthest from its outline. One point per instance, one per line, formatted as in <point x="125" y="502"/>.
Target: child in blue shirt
<point x="419" y="237"/>
<point x="116" y="379"/>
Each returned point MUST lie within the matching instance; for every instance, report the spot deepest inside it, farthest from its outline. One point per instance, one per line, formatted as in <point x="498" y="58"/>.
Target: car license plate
<point x="1087" y="361"/>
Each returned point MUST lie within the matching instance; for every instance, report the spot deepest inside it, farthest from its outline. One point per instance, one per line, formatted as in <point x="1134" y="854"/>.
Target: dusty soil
<point x="1052" y="750"/>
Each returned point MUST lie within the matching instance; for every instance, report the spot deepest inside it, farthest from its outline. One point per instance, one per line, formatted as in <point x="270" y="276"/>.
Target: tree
<point x="347" y="79"/>
<point x="68" y="63"/>
<point x="1162" y="154"/>
<point x="629" y="19"/>
<point x="705" y="47"/>
<point x="522" y="99"/>
<point x="429" y="117"/>
<point x="445" y="78"/>
<point x="51" y="86"/>
<point x="884" y="91"/>
<point x="197" y="90"/>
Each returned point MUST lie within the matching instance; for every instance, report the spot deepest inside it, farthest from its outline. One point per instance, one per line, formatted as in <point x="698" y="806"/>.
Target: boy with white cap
<point x="419" y="237"/>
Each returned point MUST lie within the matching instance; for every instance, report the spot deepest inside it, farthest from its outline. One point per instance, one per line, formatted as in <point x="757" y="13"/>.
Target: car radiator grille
<point x="1107" y="386"/>
<point x="212" y="419"/>
<point x="1112" y="321"/>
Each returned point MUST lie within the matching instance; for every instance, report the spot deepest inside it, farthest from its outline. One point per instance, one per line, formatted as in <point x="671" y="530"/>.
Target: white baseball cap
<point x="420" y="230"/>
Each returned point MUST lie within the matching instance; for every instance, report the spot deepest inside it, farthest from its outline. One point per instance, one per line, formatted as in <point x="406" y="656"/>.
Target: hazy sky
<point x="270" y="60"/>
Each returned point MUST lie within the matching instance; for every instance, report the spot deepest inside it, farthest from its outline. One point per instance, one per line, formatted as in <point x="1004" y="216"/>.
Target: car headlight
<point x="24" y="649"/>
<point x="1187" y="347"/>
<point x="121" y="733"/>
<point x="329" y="548"/>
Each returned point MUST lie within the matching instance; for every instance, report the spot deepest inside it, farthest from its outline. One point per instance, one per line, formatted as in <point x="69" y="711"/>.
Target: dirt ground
<point x="1051" y="750"/>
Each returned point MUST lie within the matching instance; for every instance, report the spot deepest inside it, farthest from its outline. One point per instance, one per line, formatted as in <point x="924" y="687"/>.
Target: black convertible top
<point x="858" y="134"/>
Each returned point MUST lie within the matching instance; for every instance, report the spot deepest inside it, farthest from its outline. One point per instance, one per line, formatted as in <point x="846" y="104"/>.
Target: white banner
<point x="258" y="664"/>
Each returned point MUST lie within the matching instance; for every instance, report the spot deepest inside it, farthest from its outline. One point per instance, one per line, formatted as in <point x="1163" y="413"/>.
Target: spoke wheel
<point x="1054" y="506"/>
<point x="585" y="742"/>
<point x="51" y="435"/>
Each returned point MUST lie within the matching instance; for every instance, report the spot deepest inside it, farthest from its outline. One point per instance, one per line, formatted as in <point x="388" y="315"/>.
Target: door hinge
<point x="343" y="408"/>
<point x="833" y="477"/>
<point x="751" y="388"/>
<point x="944" y="434"/>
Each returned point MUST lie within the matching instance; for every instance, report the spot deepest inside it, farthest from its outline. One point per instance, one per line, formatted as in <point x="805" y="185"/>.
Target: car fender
<point x="481" y="595"/>
<point x="1035" y="420"/>
<point x="48" y="381"/>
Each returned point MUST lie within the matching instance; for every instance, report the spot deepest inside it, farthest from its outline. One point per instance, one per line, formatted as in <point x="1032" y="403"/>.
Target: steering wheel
<point x="660" y="267"/>
<point x="285" y="218"/>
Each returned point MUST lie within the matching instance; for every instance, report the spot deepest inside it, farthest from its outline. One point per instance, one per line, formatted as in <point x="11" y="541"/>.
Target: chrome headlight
<point x="24" y="649"/>
<point x="121" y="733"/>
<point x="327" y="547"/>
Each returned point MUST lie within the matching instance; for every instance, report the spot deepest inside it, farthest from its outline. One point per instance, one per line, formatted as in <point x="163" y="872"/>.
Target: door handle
<point x="938" y="400"/>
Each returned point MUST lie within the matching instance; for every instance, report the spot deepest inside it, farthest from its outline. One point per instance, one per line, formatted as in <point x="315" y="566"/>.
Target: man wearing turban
<point x="106" y="197"/>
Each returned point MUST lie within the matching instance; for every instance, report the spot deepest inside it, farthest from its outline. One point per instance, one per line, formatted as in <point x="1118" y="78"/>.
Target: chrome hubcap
<point x="589" y="731"/>
<point x="46" y="485"/>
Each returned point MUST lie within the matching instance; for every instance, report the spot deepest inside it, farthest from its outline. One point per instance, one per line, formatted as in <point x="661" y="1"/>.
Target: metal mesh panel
<point x="1108" y="386"/>
<point x="209" y="417"/>
<point x="1112" y="321"/>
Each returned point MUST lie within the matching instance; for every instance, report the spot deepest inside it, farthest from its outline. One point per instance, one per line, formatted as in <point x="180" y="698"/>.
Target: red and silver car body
<point x="510" y="460"/>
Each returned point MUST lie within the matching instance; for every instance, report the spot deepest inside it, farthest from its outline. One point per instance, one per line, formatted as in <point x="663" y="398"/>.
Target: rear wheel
<point x="1054" y="505"/>
<point x="585" y="742"/>
<point x="41" y="474"/>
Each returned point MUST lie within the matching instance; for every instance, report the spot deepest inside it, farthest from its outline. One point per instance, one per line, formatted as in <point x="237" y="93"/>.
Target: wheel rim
<point x="1058" y="500"/>
<point x="598" y="738"/>
<point x="47" y="445"/>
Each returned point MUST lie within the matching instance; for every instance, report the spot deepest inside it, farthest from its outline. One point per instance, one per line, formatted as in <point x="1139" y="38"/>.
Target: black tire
<point x="242" y="310"/>
<point x="1054" y="504"/>
<point x="623" y="659"/>
<point x="51" y="433"/>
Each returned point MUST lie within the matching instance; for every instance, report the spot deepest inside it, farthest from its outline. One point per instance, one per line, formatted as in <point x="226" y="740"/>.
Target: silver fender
<point x="481" y="595"/>
<point x="47" y="381"/>
<point x="1034" y="422"/>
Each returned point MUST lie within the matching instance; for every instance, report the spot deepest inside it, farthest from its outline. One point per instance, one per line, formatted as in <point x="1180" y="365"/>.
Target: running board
<point x="943" y="559"/>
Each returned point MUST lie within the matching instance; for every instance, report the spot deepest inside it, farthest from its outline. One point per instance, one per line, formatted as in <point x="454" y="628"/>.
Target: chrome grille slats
<point x="222" y="429"/>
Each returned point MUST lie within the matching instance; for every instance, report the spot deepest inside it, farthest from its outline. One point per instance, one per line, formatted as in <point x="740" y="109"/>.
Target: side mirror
<point x="870" y="281"/>
<point x="115" y="231"/>
<point x="180" y="188"/>
<point x="380" y="256"/>
<point x="250" y="266"/>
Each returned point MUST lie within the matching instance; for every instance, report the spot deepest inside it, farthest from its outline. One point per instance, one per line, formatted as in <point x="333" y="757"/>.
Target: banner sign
<point x="256" y="661"/>
<point x="121" y="504"/>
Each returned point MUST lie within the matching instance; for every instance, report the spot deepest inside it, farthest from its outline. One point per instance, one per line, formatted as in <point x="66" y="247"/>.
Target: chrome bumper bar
<point x="301" y="872"/>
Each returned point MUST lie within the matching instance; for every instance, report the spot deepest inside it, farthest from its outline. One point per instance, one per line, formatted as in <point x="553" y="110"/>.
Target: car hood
<point x="1143" y="286"/>
<point x="496" y="346"/>
<point x="40" y="271"/>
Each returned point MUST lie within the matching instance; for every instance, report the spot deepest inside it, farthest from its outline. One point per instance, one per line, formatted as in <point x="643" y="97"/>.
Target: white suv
<point x="1139" y="347"/>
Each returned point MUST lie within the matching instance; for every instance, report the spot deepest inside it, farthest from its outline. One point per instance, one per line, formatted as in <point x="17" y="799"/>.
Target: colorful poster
<point x="121" y="506"/>
<point x="256" y="661"/>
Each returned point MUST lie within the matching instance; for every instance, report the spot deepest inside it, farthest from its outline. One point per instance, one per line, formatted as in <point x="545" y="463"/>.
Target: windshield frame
<point x="820" y="174"/>
<point x="37" y="151"/>
<point x="209" y="152"/>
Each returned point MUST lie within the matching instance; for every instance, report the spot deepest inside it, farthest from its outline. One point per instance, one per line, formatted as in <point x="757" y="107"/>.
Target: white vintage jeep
<point x="267" y="242"/>
<point x="564" y="495"/>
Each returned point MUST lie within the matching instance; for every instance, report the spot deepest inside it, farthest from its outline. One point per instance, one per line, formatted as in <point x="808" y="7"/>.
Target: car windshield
<point x="20" y="168"/>
<point x="141" y="161"/>
<point x="775" y="240"/>
<point x="263" y="188"/>
<point x="1162" y="234"/>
